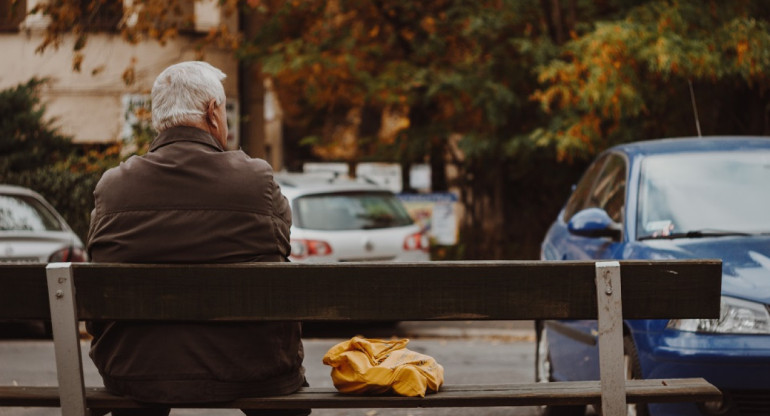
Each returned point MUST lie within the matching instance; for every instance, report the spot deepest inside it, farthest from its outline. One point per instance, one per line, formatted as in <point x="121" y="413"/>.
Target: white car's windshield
<point x="704" y="194"/>
<point x="23" y="213"/>
<point x="349" y="211"/>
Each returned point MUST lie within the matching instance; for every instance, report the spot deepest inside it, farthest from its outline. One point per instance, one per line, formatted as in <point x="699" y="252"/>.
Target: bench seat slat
<point x="527" y="394"/>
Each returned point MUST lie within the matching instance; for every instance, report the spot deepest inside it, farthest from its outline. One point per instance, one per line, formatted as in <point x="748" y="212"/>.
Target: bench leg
<point x="610" y="314"/>
<point x="66" y="339"/>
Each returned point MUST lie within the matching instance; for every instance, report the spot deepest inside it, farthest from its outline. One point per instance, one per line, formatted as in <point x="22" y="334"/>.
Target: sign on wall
<point x="435" y="213"/>
<point x="136" y="109"/>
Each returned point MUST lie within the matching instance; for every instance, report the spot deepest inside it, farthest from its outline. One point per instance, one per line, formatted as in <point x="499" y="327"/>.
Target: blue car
<point x="674" y="199"/>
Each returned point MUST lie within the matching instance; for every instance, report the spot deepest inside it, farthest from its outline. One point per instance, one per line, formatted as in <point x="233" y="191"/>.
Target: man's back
<point x="206" y="205"/>
<point x="188" y="201"/>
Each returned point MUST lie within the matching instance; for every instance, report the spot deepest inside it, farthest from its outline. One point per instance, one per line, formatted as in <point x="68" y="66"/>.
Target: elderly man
<point x="190" y="201"/>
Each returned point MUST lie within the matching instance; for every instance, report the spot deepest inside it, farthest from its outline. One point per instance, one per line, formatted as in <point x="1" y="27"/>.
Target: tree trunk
<point x="251" y="89"/>
<point x="553" y="17"/>
<point x="406" y="180"/>
<point x="438" y="179"/>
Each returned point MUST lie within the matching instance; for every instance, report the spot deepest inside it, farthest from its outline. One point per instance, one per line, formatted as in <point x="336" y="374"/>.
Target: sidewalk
<point x="471" y="354"/>
<point x="509" y="331"/>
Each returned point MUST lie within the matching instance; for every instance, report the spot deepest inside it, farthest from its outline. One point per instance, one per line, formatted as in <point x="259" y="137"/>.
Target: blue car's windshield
<point x="704" y="194"/>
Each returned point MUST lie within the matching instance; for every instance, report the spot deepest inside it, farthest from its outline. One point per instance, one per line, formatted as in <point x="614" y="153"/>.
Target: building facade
<point x="95" y="105"/>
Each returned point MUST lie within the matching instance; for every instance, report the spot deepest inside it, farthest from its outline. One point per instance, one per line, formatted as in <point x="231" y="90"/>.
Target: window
<point x="707" y="192"/>
<point x="350" y="211"/>
<point x="577" y="201"/>
<point x="101" y="14"/>
<point x="24" y="213"/>
<point x="602" y="186"/>
<point x="189" y="17"/>
<point x="12" y="13"/>
<point x="609" y="191"/>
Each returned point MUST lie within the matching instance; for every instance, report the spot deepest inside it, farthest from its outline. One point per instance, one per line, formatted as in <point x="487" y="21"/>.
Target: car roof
<point x="17" y="190"/>
<point x="295" y="184"/>
<point x="693" y="144"/>
<point x="20" y="190"/>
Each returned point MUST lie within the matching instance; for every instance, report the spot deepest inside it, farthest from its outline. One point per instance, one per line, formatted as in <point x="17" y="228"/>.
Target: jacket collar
<point x="184" y="134"/>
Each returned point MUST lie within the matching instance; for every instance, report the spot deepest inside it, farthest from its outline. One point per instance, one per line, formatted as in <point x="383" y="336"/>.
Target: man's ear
<point x="211" y="113"/>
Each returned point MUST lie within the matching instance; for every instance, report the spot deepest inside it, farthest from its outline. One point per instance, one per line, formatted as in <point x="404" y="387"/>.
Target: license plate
<point x="19" y="260"/>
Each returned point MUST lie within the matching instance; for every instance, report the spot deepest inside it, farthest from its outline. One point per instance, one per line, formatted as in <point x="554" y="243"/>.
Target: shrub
<point x="34" y="155"/>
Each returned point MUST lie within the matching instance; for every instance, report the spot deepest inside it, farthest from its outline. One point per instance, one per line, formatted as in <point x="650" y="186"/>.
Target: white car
<point x="31" y="231"/>
<point x="337" y="219"/>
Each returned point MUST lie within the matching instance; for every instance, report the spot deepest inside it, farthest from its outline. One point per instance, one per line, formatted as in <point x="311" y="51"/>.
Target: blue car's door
<point x="572" y="344"/>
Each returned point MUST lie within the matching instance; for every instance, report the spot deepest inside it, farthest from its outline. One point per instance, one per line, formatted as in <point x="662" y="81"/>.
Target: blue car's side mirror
<point x="594" y="222"/>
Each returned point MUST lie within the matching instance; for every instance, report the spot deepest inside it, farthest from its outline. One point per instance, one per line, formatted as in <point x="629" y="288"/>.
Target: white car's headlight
<point x="735" y="317"/>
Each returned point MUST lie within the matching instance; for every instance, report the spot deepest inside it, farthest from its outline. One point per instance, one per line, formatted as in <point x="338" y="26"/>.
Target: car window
<point x="717" y="192"/>
<point x="609" y="190"/>
<point x="350" y="211"/>
<point x="25" y="213"/>
<point x="579" y="198"/>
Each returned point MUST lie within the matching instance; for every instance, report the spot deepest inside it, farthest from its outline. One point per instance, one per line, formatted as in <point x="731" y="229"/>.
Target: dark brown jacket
<point x="188" y="201"/>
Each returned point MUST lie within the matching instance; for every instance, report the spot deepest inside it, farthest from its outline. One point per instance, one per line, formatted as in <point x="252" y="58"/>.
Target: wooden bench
<point x="483" y="290"/>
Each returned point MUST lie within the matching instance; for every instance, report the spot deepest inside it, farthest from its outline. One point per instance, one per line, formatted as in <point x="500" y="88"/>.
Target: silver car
<point x="31" y="231"/>
<point x="337" y="219"/>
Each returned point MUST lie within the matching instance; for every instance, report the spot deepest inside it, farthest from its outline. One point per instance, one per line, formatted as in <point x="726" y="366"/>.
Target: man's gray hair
<point x="182" y="92"/>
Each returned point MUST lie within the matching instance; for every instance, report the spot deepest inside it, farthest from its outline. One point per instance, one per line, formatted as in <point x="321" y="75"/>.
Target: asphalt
<point x="508" y="331"/>
<point x="472" y="353"/>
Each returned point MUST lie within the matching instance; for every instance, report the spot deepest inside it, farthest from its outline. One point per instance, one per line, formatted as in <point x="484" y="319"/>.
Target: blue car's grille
<point x="749" y="402"/>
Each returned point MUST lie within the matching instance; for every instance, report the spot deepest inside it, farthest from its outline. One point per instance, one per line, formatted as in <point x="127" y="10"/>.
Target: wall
<point x="87" y="104"/>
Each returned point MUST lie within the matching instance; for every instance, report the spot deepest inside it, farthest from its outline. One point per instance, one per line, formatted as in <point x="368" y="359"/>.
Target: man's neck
<point x="205" y="127"/>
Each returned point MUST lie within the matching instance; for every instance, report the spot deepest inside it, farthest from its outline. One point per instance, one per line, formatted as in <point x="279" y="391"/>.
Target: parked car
<point x="31" y="231"/>
<point x="674" y="199"/>
<point x="336" y="219"/>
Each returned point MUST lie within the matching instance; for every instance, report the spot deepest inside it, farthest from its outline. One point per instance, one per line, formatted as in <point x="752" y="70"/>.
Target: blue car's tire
<point x="543" y="373"/>
<point x="633" y="372"/>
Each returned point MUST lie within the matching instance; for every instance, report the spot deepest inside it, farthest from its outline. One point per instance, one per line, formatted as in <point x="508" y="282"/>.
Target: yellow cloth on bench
<point x="361" y="365"/>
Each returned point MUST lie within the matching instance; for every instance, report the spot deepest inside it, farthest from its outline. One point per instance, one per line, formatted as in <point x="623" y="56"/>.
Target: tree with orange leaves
<point x="647" y="74"/>
<point x="507" y="90"/>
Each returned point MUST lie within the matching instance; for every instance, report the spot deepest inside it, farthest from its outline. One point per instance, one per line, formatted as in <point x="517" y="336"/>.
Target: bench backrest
<point x="23" y="292"/>
<point x="492" y="290"/>
<point x="487" y="290"/>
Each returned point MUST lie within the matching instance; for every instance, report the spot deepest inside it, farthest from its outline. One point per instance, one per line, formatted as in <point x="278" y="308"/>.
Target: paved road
<point x="479" y="352"/>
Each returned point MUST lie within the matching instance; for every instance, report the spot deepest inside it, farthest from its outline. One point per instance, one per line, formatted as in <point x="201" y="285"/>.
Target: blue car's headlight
<point x="737" y="316"/>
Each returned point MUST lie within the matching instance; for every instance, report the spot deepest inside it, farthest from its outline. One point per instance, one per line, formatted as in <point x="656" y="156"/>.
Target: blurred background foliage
<point x="519" y="94"/>
<point x="516" y="95"/>
<point x="34" y="155"/>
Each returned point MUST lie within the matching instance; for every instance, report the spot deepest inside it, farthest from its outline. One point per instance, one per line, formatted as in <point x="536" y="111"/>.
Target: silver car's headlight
<point x="736" y="316"/>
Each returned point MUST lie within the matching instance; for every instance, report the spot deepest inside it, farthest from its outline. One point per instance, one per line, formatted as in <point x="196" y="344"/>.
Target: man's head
<point x="190" y="94"/>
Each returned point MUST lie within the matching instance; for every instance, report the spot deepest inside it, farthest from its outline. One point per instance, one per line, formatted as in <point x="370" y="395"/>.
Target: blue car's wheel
<point x="633" y="371"/>
<point x="543" y="373"/>
<point x="542" y="358"/>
